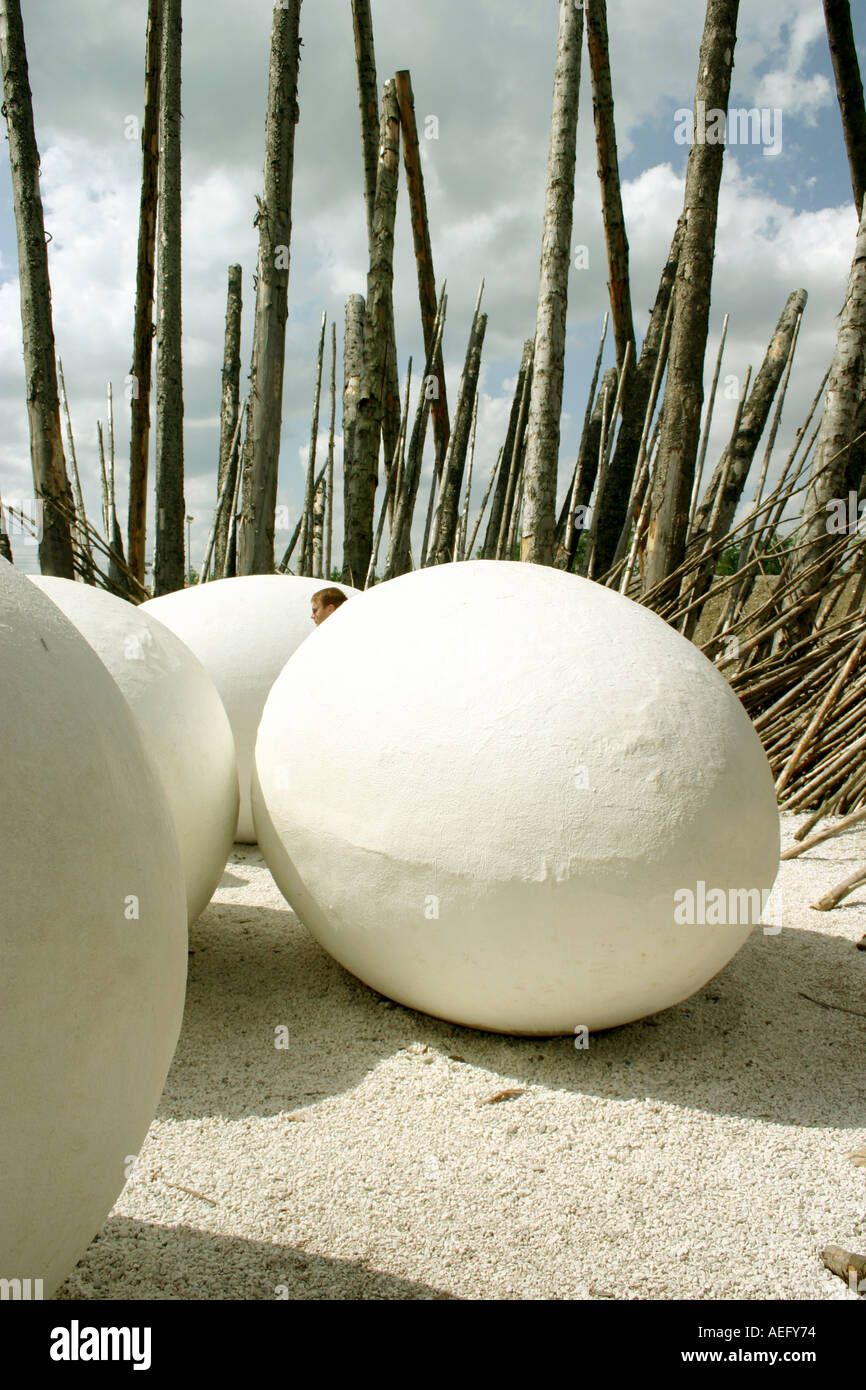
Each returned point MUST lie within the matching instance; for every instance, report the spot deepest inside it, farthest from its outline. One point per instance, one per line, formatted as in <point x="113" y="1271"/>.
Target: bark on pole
<point x="423" y="255"/>
<point x="464" y="519"/>
<point x="829" y="478"/>
<point x="354" y="484"/>
<point x="517" y="464"/>
<point x="587" y="467"/>
<point x="378" y="398"/>
<point x="684" y="392"/>
<point x="624" y="459"/>
<point x="368" y="102"/>
<point x="752" y="423"/>
<point x="615" y="238"/>
<point x="494" y="521"/>
<point x="142" y="333"/>
<point x="264" y="417"/>
<point x="84" y="545"/>
<point x="306" y="563"/>
<point x="117" y="573"/>
<point x="168" y="561"/>
<point x="329" y="476"/>
<point x="231" y="382"/>
<point x="542" y="436"/>
<point x="399" y="550"/>
<point x="849" y="90"/>
<point x="443" y="542"/>
<point x="43" y="406"/>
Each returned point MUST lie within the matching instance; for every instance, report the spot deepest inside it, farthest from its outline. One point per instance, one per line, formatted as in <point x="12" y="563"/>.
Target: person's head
<point x="325" y="602"/>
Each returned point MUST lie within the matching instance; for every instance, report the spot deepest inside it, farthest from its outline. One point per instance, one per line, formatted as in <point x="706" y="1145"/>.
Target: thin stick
<point x="705" y="439"/>
<point x="493" y="473"/>
<point x="464" y="520"/>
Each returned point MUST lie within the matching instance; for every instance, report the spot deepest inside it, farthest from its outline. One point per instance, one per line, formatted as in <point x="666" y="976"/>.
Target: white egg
<point x="93" y="938"/>
<point x="491" y="791"/>
<point x="181" y="717"/>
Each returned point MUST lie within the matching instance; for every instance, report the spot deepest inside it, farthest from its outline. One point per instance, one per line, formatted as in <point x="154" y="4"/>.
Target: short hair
<point x="330" y="596"/>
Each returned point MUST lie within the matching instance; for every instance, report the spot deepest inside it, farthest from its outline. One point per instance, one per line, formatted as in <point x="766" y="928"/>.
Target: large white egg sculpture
<point x="243" y="631"/>
<point x="93" y="938"/>
<point x="181" y="717"/>
<point x="493" y="791"/>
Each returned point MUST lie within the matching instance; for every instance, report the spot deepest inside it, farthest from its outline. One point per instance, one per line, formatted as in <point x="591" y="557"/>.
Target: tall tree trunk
<point x="494" y="521"/>
<point x="318" y="545"/>
<point x="830" y="477"/>
<point x="43" y="406"/>
<point x="442" y="545"/>
<point x="399" y="550"/>
<point x="684" y="392"/>
<point x="587" y="467"/>
<point x="616" y="240"/>
<point x="231" y="380"/>
<point x="274" y="219"/>
<point x="368" y="102"/>
<point x="142" y="333"/>
<point x="623" y="461"/>
<point x="423" y="256"/>
<point x="515" y="472"/>
<point x="306" y="562"/>
<point x="354" y="481"/>
<point x="849" y="89"/>
<point x="329" y="476"/>
<point x="79" y="528"/>
<point x="542" y="436"/>
<point x="168" y="563"/>
<point x="378" y="396"/>
<point x="118" y="576"/>
<point x="753" y="421"/>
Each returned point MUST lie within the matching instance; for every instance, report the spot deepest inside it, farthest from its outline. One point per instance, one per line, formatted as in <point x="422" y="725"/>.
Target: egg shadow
<point x="274" y="1024"/>
<point x="130" y="1259"/>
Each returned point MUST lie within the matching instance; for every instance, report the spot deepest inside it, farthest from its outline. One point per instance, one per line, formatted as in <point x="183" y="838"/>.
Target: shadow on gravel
<point x="768" y="1038"/>
<point x="135" y="1260"/>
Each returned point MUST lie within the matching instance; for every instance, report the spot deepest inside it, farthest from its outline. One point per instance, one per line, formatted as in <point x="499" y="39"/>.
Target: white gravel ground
<point x="698" y="1154"/>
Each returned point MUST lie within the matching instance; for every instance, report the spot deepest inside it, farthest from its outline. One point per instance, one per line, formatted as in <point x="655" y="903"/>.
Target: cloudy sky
<point x="484" y="69"/>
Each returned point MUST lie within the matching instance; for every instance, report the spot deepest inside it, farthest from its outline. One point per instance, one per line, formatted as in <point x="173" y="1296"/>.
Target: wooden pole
<point x="264" y="417"/>
<point x="399" y="547"/>
<point x="443" y="541"/>
<point x="464" y="520"/>
<point x="708" y="420"/>
<point x="470" y="547"/>
<point x="494" y="521"/>
<point x="329" y="476"/>
<point x="624" y="466"/>
<point x="142" y="334"/>
<point x="354" y="483"/>
<point x="849" y="90"/>
<point x="542" y="434"/>
<point x="80" y="512"/>
<point x="168" y="561"/>
<point x="378" y="406"/>
<point x="423" y="256"/>
<point x="368" y="102"/>
<point x="231" y="379"/>
<point x="681" y="422"/>
<point x="43" y="406"/>
<point x="306" y="562"/>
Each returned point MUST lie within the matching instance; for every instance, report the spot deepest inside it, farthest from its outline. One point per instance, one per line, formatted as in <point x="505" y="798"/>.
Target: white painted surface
<point x="180" y="716"/>
<point x="91" y="999"/>
<point x="243" y="631"/>
<point x="538" y="760"/>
